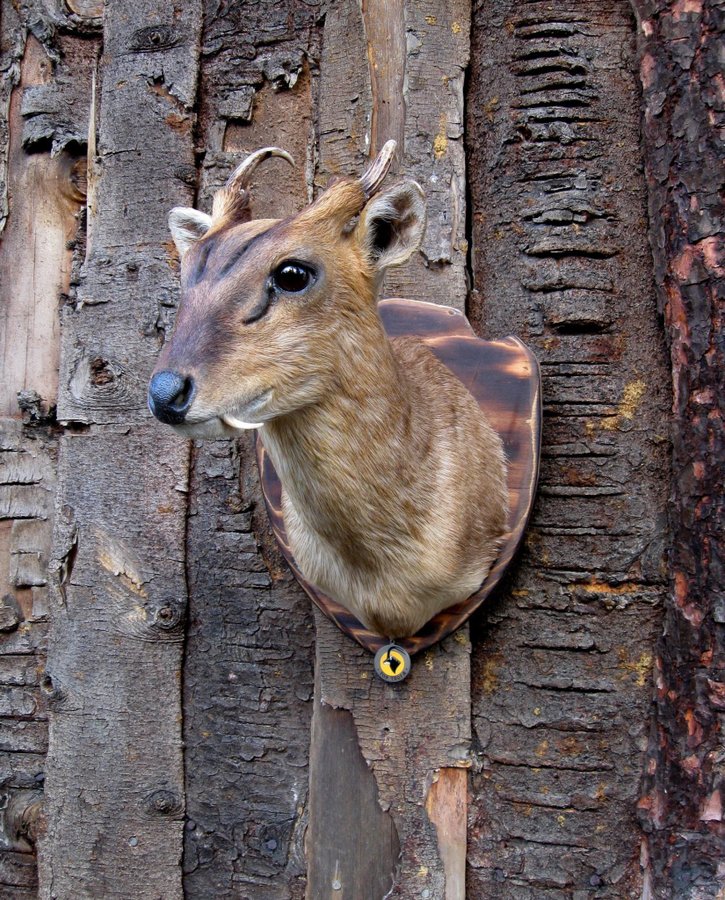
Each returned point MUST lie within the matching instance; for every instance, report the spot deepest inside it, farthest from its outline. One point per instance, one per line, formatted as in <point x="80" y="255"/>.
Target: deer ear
<point x="392" y="224"/>
<point x="187" y="226"/>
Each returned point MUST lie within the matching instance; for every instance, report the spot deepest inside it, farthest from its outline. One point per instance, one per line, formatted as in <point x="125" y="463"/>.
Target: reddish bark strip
<point x="683" y="110"/>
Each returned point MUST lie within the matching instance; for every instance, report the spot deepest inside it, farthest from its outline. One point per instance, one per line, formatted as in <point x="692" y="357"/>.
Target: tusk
<point x="232" y="422"/>
<point x="371" y="180"/>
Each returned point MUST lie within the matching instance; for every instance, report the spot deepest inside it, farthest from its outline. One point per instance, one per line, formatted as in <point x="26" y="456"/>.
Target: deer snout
<point x="170" y="396"/>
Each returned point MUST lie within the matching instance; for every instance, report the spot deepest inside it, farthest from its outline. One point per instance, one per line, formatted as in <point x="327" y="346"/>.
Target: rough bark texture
<point x="27" y="485"/>
<point x="562" y="663"/>
<point x="114" y="786"/>
<point x="249" y="653"/>
<point x="682" y="77"/>
<point x="550" y="224"/>
<point x="247" y="692"/>
<point x="42" y="109"/>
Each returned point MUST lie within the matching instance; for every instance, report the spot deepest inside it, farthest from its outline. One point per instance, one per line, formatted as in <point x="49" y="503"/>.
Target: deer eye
<point x="292" y="277"/>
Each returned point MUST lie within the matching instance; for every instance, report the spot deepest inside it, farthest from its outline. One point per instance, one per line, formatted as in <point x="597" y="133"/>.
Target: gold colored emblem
<point x="392" y="663"/>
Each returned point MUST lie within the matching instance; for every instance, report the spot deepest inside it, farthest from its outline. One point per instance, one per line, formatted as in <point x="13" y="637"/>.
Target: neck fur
<point x="342" y="460"/>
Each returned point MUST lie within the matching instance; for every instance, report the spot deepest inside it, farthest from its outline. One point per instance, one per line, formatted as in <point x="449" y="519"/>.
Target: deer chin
<point x="206" y="423"/>
<point x="214" y="428"/>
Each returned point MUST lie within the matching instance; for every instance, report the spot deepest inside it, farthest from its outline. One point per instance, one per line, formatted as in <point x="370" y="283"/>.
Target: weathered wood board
<point x="402" y="744"/>
<point x="248" y="667"/>
<point x="562" y="671"/>
<point x="40" y="197"/>
<point x="114" y="793"/>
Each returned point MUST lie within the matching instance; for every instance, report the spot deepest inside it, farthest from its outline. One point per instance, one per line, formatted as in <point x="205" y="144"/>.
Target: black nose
<point x="170" y="396"/>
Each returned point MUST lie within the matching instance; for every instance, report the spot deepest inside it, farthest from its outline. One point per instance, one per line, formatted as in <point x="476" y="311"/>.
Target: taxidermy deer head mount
<point x="394" y="484"/>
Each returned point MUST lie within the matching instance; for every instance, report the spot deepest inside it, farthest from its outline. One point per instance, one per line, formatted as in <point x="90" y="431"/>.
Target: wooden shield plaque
<point x="504" y="378"/>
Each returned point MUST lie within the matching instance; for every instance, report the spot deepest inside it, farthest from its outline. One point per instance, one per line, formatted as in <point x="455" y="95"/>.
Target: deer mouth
<point x="247" y="416"/>
<point x="205" y="424"/>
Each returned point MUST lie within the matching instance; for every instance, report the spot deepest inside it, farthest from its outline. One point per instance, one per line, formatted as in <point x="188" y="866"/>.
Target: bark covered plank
<point x="43" y="122"/>
<point x="682" y="803"/>
<point x="405" y="732"/>
<point x="248" y="664"/>
<point x="114" y="660"/>
<point x="562" y="664"/>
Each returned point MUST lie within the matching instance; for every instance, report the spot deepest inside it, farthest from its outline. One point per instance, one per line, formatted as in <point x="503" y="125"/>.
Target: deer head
<point x="267" y="305"/>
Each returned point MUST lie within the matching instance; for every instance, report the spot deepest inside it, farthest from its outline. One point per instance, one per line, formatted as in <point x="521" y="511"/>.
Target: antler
<point x="239" y="179"/>
<point x="232" y="201"/>
<point x="346" y="197"/>
<point x="374" y="176"/>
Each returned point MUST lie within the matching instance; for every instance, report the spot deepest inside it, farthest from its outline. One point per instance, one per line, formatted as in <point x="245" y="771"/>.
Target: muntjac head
<point x="268" y="306"/>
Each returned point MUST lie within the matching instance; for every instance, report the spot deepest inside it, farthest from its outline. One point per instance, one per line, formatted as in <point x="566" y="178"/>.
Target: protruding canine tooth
<point x="233" y="422"/>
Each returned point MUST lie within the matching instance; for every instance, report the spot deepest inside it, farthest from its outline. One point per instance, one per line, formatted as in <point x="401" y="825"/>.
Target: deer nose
<point x="170" y="396"/>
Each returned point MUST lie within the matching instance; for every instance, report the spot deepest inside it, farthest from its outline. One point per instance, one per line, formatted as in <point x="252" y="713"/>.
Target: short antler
<point x="346" y="197"/>
<point x="239" y="179"/>
<point x="371" y="180"/>
<point x="232" y="201"/>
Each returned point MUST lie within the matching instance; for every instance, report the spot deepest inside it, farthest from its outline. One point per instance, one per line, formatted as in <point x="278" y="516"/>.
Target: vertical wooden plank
<point x="27" y="482"/>
<point x="682" y="803"/>
<point x="345" y="98"/>
<point x="34" y="254"/>
<point x="562" y="672"/>
<point x="114" y="783"/>
<point x="348" y="827"/>
<point x="43" y="120"/>
<point x="436" y="56"/>
<point x="407" y="732"/>
<point x="248" y="663"/>
<point x="384" y="28"/>
<point x="447" y="807"/>
<point x="115" y="794"/>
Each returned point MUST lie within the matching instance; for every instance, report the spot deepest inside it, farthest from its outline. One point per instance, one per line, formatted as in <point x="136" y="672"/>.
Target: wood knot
<point x="100" y="382"/>
<point x="149" y="622"/>
<point x="168" y="618"/>
<point x="22" y="816"/>
<point x="164" y="803"/>
<point x="101" y="371"/>
<point x="154" y="38"/>
<point x="51" y="690"/>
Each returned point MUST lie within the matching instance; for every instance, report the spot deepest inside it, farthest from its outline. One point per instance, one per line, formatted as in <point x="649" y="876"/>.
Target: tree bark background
<point x="562" y="668"/>
<point x="173" y="620"/>
<point x="684" y="112"/>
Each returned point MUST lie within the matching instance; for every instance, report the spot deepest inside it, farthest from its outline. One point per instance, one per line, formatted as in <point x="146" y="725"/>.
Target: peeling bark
<point x="681" y="72"/>
<point x="562" y="663"/>
<point x="407" y="733"/>
<point x="43" y="197"/>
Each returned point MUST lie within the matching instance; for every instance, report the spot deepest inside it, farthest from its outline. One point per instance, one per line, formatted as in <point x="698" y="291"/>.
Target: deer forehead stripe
<point x="197" y="266"/>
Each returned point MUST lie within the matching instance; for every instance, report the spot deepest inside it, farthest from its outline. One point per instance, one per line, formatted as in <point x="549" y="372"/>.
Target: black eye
<point x="292" y="277"/>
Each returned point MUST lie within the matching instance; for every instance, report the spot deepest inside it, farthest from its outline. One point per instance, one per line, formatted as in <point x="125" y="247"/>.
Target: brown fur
<point x="394" y="483"/>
